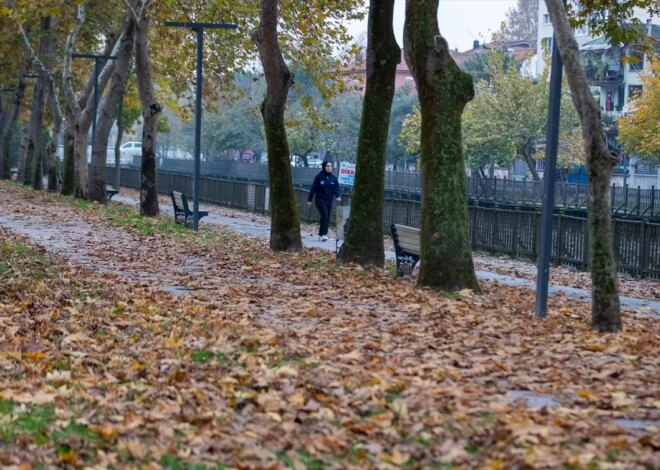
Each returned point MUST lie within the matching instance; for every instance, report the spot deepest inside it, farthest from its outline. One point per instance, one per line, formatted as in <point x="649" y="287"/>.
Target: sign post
<point x="346" y="174"/>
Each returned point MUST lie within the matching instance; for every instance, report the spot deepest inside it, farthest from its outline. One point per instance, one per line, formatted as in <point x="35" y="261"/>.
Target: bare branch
<point x="68" y="52"/>
<point x="131" y="10"/>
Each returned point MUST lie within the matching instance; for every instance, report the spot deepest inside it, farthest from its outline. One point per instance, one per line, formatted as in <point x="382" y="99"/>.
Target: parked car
<point x="129" y="150"/>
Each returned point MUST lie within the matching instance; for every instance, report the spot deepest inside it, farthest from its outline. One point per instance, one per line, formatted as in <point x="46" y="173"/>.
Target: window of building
<point x="637" y="62"/>
<point x="546" y="18"/>
<point x="546" y="44"/>
<point x="634" y="90"/>
<point x="620" y="96"/>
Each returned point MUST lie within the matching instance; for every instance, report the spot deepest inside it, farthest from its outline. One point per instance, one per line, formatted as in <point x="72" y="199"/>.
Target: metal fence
<point x="626" y="202"/>
<point x="512" y="232"/>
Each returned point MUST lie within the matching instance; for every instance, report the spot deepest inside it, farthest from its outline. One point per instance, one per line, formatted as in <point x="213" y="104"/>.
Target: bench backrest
<point x="408" y="238"/>
<point x="179" y="201"/>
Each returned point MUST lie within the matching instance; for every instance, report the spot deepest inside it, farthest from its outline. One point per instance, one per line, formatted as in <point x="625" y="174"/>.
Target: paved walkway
<point x="646" y="307"/>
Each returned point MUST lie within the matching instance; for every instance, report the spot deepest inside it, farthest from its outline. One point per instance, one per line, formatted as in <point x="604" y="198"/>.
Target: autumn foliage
<point x="640" y="129"/>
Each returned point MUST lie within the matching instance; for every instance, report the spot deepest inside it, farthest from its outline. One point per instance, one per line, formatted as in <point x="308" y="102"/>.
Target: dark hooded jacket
<point x="325" y="187"/>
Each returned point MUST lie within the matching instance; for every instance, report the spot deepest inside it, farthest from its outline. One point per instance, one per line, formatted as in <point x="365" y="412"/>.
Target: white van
<point x="129" y="150"/>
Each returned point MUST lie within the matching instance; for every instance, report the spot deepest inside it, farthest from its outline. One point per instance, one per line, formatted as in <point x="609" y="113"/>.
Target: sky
<point x="461" y="21"/>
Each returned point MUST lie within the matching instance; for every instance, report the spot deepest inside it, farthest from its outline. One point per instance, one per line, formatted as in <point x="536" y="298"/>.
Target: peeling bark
<point x="150" y="112"/>
<point x="107" y="112"/>
<point x="444" y="90"/>
<point x="79" y="113"/>
<point x="364" y="239"/>
<point x="285" y="222"/>
<point x="51" y="149"/>
<point x="605" y="307"/>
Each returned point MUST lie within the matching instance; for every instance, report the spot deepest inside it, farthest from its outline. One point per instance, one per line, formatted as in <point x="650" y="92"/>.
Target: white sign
<point x="347" y="174"/>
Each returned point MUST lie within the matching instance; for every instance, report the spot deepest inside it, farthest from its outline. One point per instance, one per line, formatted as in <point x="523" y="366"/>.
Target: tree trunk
<point x="150" y="112"/>
<point x="444" y="90"/>
<point x="31" y="167"/>
<point x="285" y="223"/>
<point x="531" y="165"/>
<point x="51" y="150"/>
<point x="120" y="135"/>
<point x="68" y="160"/>
<point x="364" y="239"/>
<point x="107" y="112"/>
<point x="22" y="155"/>
<point x="7" y="129"/>
<point x="37" y="139"/>
<point x="81" y="170"/>
<point x="45" y="42"/>
<point x="605" y="307"/>
<point x="79" y="112"/>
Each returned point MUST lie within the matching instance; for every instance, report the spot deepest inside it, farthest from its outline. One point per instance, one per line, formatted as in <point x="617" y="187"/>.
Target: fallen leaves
<point x="258" y="360"/>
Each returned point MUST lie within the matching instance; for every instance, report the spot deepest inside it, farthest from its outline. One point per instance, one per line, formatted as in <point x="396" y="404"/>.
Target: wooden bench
<point x="407" y="248"/>
<point x="182" y="213"/>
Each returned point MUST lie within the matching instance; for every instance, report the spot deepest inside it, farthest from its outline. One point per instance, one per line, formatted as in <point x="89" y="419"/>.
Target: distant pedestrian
<point x="324" y="189"/>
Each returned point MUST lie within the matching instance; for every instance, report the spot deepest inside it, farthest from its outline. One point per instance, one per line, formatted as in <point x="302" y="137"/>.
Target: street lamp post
<point x="549" y="174"/>
<point x="199" y="29"/>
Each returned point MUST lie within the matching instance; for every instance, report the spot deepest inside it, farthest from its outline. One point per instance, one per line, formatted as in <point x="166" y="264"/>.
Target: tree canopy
<point x="639" y="130"/>
<point x="522" y="21"/>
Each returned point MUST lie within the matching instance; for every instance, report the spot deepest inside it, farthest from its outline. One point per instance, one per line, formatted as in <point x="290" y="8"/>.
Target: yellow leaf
<point x="595" y="347"/>
<point x="68" y="456"/>
<point x="173" y="342"/>
<point x="588" y="394"/>
<point x="298" y="399"/>
<point x="496" y="465"/>
<point x="34" y="356"/>
<point x="105" y="431"/>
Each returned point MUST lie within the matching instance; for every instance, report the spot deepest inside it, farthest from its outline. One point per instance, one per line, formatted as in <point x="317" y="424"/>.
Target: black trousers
<point x="324" y="210"/>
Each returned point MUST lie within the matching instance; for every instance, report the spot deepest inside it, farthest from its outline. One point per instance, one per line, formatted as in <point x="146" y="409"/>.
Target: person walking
<point x="324" y="188"/>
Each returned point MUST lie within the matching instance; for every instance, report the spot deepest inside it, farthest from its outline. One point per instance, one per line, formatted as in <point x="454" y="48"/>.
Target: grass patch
<point x="33" y="424"/>
<point x="298" y="358"/>
<point x="324" y="263"/>
<point x="127" y="217"/>
<point x="172" y="462"/>
<point x="19" y="260"/>
<point x="76" y="430"/>
<point x="204" y="357"/>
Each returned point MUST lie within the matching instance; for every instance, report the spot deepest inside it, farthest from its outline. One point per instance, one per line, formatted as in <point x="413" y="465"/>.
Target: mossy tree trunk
<point x="107" y="112"/>
<point x="51" y="149"/>
<point x="150" y="112"/>
<point x="32" y="174"/>
<point x="67" y="160"/>
<point x="364" y="239"/>
<point x="444" y="90"/>
<point x="285" y="222"/>
<point x="605" y="307"/>
<point x="120" y="135"/>
<point x="9" y="125"/>
<point x="45" y="46"/>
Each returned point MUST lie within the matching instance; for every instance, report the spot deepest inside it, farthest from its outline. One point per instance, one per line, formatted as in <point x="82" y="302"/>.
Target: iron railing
<point x="512" y="232"/>
<point x="626" y="202"/>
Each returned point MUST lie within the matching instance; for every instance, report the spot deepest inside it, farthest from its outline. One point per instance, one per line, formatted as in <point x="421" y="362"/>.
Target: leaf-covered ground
<point x="127" y="342"/>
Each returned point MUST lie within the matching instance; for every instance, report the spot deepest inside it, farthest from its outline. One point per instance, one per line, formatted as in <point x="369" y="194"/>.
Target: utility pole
<point x="199" y="29"/>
